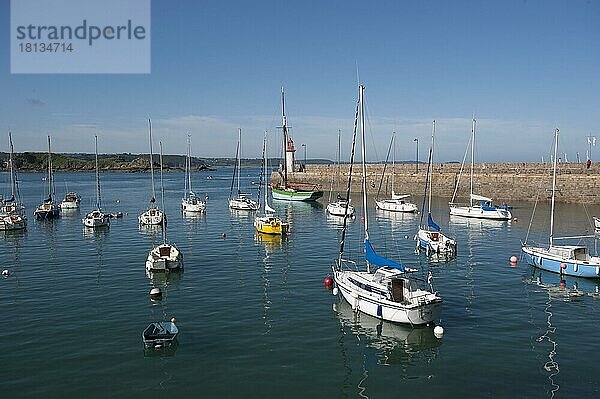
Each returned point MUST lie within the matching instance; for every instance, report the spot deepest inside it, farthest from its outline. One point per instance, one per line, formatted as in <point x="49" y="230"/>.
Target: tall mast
<point x="13" y="188"/>
<point x="284" y="128"/>
<point x="339" y="157"/>
<point x="151" y="162"/>
<point x="239" y="159"/>
<point x="361" y="89"/>
<point x="553" y="185"/>
<point x="393" y="161"/>
<point x="265" y="170"/>
<point x="431" y="165"/>
<point x="98" y="205"/>
<point x="49" y="171"/>
<point x="189" y="163"/>
<point x="472" y="159"/>
<point x="162" y="194"/>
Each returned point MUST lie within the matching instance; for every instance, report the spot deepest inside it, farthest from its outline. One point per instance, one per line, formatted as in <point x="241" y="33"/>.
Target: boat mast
<point x="553" y="185"/>
<point x="151" y="164"/>
<point x="363" y="154"/>
<point x="265" y="171"/>
<point x="13" y="187"/>
<point x="393" y="161"/>
<point x="97" y="175"/>
<point x="189" y="164"/>
<point x="284" y="128"/>
<point x="239" y="152"/>
<point x="431" y="166"/>
<point x="162" y="194"/>
<point x="472" y="159"/>
<point x="49" y="171"/>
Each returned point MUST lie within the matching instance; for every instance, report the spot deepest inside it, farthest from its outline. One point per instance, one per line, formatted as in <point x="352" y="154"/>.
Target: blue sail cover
<point x="374" y="259"/>
<point x="431" y="223"/>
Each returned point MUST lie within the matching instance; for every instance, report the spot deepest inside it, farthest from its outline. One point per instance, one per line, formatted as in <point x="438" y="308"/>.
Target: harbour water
<point x="254" y="318"/>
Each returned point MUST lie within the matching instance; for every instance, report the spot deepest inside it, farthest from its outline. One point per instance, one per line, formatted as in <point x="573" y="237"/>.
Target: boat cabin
<point x="573" y="252"/>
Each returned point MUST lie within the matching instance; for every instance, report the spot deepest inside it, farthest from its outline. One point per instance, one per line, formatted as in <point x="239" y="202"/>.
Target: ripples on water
<point x="254" y="318"/>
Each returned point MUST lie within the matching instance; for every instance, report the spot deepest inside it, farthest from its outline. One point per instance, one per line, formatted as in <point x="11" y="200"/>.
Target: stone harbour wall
<point x="503" y="182"/>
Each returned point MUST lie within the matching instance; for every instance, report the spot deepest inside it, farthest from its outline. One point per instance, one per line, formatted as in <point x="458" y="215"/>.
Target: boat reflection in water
<point x="558" y="288"/>
<point x="394" y="343"/>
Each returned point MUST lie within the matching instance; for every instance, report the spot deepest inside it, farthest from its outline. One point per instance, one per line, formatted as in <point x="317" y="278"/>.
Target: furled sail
<point x="431" y="223"/>
<point x="374" y="259"/>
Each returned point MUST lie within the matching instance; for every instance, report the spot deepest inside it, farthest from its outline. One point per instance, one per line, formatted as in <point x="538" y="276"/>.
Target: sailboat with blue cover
<point x="429" y="237"/>
<point x="385" y="289"/>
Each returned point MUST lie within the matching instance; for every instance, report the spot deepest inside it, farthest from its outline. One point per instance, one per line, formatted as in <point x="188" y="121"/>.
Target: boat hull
<point x="164" y="258"/>
<point x="540" y="258"/>
<point x="296" y="195"/>
<point x="193" y="205"/>
<point x="271" y="225"/>
<point x="434" y="242"/>
<point x="379" y="306"/>
<point x="243" y="204"/>
<point x="46" y="211"/>
<point x="339" y="209"/>
<point x="152" y="217"/>
<point x="396" y="206"/>
<point x="480" y="213"/>
<point x="12" y="222"/>
<point x="96" y="219"/>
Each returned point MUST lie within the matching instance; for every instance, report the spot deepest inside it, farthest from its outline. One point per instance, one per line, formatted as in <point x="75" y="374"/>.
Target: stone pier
<point x="503" y="182"/>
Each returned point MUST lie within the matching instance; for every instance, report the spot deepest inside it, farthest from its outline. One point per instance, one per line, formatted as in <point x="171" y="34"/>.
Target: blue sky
<point x="521" y="67"/>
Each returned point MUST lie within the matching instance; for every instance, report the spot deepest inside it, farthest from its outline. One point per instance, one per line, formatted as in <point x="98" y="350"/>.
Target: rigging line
<point x="235" y="168"/>
<point x="461" y="170"/>
<point x="349" y="181"/>
<point x="385" y="167"/>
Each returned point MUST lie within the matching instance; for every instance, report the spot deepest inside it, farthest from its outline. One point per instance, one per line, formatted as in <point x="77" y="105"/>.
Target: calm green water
<point x="254" y="318"/>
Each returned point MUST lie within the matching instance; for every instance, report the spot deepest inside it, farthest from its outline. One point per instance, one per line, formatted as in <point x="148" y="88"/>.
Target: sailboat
<point x="12" y="211"/>
<point x="241" y="201"/>
<point x="96" y="218"/>
<point x="430" y="237"/>
<point x="569" y="260"/>
<point x="48" y="209"/>
<point x="268" y="223"/>
<point x="71" y="201"/>
<point x="341" y="207"/>
<point x="287" y="190"/>
<point x="479" y="206"/>
<point x="165" y="257"/>
<point x="152" y="216"/>
<point x="189" y="202"/>
<point x="397" y="203"/>
<point x="388" y="292"/>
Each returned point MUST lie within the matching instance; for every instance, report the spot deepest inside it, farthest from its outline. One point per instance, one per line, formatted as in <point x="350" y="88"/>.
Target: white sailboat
<point x="71" y="201"/>
<point x="190" y="202"/>
<point x="388" y="292"/>
<point x="569" y="260"/>
<point x="242" y="201"/>
<point x="341" y="207"/>
<point x="96" y="218"/>
<point x="479" y="206"/>
<point x="397" y="203"/>
<point x="48" y="209"/>
<point x="12" y="210"/>
<point x="429" y="237"/>
<point x="266" y="222"/>
<point x="153" y="216"/>
<point x="165" y="257"/>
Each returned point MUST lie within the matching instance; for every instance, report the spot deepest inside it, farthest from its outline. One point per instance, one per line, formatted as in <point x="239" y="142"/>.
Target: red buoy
<point x="563" y="266"/>
<point x="328" y="282"/>
<point x="362" y="219"/>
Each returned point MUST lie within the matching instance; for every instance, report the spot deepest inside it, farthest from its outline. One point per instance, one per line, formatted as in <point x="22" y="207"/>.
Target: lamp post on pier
<point x="416" y="140"/>
<point x="304" y="145"/>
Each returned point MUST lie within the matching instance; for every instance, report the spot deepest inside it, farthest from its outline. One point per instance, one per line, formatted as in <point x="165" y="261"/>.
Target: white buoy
<point x="438" y="331"/>
<point x="173" y="320"/>
<point x="5" y="273"/>
<point x="335" y="291"/>
<point x="155" y="292"/>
